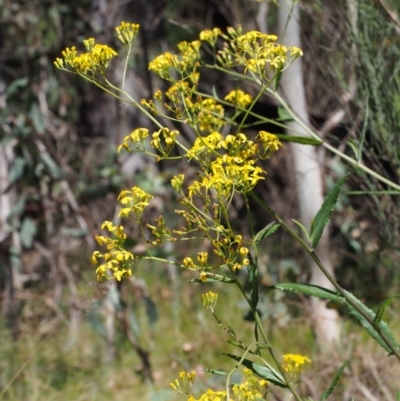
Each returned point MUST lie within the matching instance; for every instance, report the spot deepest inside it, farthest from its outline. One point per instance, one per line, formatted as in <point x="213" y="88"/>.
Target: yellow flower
<point x="96" y="59"/>
<point x="209" y="300"/>
<point x="127" y="32"/>
<point x="239" y="98"/>
<point x="185" y="382"/>
<point x="293" y="363"/>
<point x="203" y="277"/>
<point x="177" y="182"/>
<point x="161" y="64"/>
<point x="270" y="143"/>
<point x="134" y="201"/>
<point x="188" y="262"/>
<point x="210" y="36"/>
<point x="202" y="257"/>
<point x="137" y="137"/>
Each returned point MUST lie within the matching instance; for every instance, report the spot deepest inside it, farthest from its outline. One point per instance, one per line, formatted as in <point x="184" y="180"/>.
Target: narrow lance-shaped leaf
<point x="312" y="290"/>
<point x="324" y="214"/>
<point x="373" y="332"/>
<point x="388" y="192"/>
<point x="213" y="279"/>
<point x="216" y="372"/>
<point x="363" y="131"/>
<point x="253" y="281"/>
<point x="266" y="372"/>
<point x="303" y="140"/>
<point x="334" y="382"/>
<point x="382" y="307"/>
<point x="265" y="232"/>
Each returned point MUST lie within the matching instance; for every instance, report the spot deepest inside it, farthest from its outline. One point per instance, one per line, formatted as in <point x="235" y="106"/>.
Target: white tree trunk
<point x="308" y="171"/>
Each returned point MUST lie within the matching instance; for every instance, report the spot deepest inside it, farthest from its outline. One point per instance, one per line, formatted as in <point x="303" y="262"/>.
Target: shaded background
<point x="64" y="336"/>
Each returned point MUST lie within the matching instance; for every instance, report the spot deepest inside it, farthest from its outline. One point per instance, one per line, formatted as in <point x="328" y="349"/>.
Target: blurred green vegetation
<point x="61" y="158"/>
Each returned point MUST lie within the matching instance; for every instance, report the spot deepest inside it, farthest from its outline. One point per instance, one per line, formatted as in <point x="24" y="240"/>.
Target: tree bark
<point x="308" y="172"/>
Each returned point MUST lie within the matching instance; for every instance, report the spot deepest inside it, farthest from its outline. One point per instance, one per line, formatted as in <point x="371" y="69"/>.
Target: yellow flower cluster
<point x="234" y="171"/>
<point x="133" y="201"/>
<point x="209" y="300"/>
<point x="211" y="115"/>
<point x="210" y="35"/>
<point x="95" y="60"/>
<point x="116" y="261"/>
<point x="228" y="174"/>
<point x="163" y="140"/>
<point x="190" y="54"/>
<point x="259" y="53"/>
<point x="294" y="363"/>
<point x="127" y="32"/>
<point x="253" y="389"/>
<point x="185" y="382"/>
<point x="137" y="138"/>
<point x="239" y="98"/>
<point x="210" y="395"/>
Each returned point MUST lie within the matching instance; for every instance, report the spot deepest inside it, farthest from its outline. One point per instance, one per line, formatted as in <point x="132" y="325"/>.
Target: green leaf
<point x="216" y="372"/>
<point x="324" y="214"/>
<point x="18" y="208"/>
<point x="363" y="131"/>
<point x="334" y="381"/>
<point x="74" y="232"/>
<point x="151" y="311"/>
<point x="28" y="232"/>
<point x="388" y="192"/>
<point x="37" y="118"/>
<point x="373" y="332"/>
<point x="284" y="115"/>
<point x="55" y="171"/>
<point x="253" y="281"/>
<point x="17" y="169"/>
<point x="236" y="344"/>
<point x="266" y="372"/>
<point x="15" y="86"/>
<point x="312" y="290"/>
<point x="265" y="232"/>
<point x="220" y="279"/>
<point x="304" y="140"/>
<point x="305" y="232"/>
<point x="133" y="322"/>
<point x="382" y="307"/>
<point x="95" y="318"/>
<point x="278" y="81"/>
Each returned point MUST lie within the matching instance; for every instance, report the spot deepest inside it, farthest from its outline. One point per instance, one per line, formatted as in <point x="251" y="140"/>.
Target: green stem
<point x="328" y="275"/>
<point x="337" y="152"/>
<point x="126" y="66"/>
<point x="263" y="88"/>
<point x="265" y="337"/>
<point x="349" y="159"/>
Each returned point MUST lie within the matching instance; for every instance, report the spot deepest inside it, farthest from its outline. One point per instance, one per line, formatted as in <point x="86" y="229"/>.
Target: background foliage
<point x="64" y="175"/>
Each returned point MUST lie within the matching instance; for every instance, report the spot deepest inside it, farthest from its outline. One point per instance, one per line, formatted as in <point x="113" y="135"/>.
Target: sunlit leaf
<point x="312" y="290"/>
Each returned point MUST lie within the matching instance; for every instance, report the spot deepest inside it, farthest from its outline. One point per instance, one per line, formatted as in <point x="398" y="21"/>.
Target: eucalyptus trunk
<point x="308" y="171"/>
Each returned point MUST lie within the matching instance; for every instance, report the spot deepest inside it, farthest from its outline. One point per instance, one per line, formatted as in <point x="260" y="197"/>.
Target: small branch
<point x="390" y="13"/>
